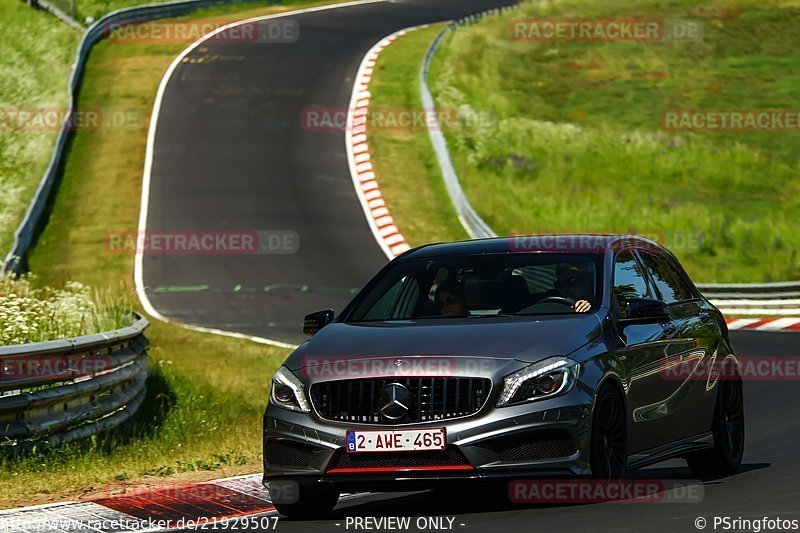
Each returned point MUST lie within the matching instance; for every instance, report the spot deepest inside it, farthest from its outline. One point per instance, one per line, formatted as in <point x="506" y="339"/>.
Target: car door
<point x="643" y="351"/>
<point x="691" y="348"/>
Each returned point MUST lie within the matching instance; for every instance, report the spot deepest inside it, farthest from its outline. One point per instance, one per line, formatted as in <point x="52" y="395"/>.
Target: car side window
<point x="397" y="302"/>
<point x="669" y="285"/>
<point x="629" y="281"/>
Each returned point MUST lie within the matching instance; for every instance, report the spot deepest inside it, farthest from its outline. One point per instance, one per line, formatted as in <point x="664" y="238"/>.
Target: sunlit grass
<point x="577" y="143"/>
<point x="406" y="166"/>
<point x="36" y="52"/>
<point x="202" y="414"/>
<point x="33" y="314"/>
<point x="206" y="394"/>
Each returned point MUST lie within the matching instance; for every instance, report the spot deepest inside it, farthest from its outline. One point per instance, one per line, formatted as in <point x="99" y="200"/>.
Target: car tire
<point x="312" y="502"/>
<point x="608" y="446"/>
<point x="728" y="430"/>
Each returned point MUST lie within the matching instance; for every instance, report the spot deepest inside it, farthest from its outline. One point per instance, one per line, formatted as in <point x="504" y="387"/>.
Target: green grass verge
<point x="403" y="159"/>
<point x="202" y="414"/>
<point x="35" y="314"/>
<point x="99" y="8"/>
<point x="207" y="392"/>
<point x="576" y="143"/>
<point x="36" y="53"/>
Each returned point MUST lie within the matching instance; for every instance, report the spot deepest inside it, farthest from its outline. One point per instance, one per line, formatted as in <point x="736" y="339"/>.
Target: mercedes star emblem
<point x="393" y="401"/>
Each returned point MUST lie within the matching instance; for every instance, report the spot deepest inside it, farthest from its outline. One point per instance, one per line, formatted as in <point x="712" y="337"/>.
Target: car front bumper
<point x="547" y="438"/>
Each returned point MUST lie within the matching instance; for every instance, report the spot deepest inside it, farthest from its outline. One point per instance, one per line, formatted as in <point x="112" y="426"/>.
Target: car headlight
<point x="545" y="379"/>
<point x="288" y="391"/>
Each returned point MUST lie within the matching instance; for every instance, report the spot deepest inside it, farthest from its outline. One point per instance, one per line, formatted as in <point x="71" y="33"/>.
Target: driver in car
<point x="573" y="282"/>
<point x="451" y="299"/>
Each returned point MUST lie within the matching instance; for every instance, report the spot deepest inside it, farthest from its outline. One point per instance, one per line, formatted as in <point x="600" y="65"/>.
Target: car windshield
<point x="486" y="285"/>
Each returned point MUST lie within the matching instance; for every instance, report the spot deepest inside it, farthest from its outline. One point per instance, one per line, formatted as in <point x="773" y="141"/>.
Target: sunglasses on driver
<point x="447" y="300"/>
<point x="568" y="282"/>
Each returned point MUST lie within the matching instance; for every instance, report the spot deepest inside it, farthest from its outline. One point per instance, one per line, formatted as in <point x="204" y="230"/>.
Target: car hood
<point x="523" y="338"/>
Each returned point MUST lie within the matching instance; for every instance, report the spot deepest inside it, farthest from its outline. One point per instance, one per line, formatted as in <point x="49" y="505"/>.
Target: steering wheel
<point x="569" y="302"/>
<point x="550" y="300"/>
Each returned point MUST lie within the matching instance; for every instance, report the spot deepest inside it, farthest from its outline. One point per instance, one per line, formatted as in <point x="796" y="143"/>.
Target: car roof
<point x="553" y="243"/>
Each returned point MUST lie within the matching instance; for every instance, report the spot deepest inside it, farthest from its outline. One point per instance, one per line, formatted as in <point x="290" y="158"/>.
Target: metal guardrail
<point x="749" y="291"/>
<point x="781" y="298"/>
<point x="476" y="227"/>
<point x="33" y="221"/>
<point x="68" y="19"/>
<point x="59" y="391"/>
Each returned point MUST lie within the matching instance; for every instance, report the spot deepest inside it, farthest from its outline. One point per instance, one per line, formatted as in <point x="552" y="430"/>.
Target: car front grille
<point x="536" y="447"/>
<point x="288" y="454"/>
<point x="437" y="398"/>
<point x="546" y="447"/>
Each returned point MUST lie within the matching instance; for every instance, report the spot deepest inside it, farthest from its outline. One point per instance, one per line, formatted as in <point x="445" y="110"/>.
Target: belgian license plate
<point x="401" y="440"/>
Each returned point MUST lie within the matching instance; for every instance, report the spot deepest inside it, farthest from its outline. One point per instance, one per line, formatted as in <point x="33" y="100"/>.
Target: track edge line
<point x="144" y="205"/>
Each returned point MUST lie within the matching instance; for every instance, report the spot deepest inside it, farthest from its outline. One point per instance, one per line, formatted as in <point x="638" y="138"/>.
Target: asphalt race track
<point x="231" y="153"/>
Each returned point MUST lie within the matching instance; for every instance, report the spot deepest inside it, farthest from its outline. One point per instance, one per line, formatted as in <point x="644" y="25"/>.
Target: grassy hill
<point x="577" y="139"/>
<point x="36" y="52"/>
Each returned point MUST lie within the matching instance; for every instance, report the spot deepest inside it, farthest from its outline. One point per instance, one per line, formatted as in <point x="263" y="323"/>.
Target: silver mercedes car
<point x="500" y="359"/>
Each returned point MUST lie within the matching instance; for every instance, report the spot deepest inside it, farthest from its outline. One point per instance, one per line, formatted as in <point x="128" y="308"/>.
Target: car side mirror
<point x="316" y="321"/>
<point x="644" y="310"/>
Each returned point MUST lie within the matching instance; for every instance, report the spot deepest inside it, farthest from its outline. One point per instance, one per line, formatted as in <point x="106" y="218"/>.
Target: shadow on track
<point x="493" y="497"/>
